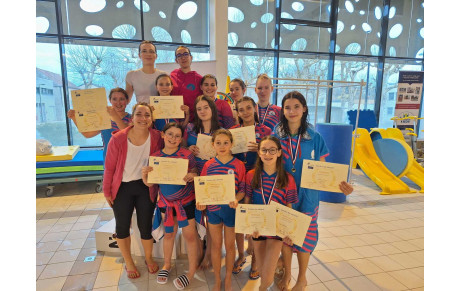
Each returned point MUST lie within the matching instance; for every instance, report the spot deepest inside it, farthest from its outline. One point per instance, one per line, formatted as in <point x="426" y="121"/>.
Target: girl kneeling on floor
<point x="267" y="182"/>
<point x="223" y="216"/>
<point x="177" y="206"/>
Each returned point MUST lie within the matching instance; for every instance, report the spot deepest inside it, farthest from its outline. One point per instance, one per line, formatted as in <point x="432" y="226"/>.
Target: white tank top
<point x="136" y="158"/>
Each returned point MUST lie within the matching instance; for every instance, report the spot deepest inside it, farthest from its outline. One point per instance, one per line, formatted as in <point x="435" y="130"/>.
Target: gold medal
<point x="294" y="156"/>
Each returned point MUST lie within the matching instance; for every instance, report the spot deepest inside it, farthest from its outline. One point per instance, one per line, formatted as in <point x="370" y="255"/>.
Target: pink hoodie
<point x="188" y="85"/>
<point x="116" y="157"/>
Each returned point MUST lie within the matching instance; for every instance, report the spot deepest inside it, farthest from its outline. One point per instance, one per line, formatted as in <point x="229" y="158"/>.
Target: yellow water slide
<point x="416" y="172"/>
<point x="370" y="163"/>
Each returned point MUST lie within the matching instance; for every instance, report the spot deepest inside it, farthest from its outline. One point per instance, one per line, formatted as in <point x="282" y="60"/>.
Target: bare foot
<point x="205" y="263"/>
<point x="131" y="270"/>
<point x="283" y="284"/>
<point x="151" y="265"/>
<point x="300" y="286"/>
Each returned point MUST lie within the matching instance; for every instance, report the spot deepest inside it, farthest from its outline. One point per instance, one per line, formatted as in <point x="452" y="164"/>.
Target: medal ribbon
<point x="294" y="156"/>
<point x="265" y="115"/>
<point x="262" y="189"/>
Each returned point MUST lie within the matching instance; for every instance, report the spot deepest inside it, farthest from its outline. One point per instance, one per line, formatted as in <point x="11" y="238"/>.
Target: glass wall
<point x="248" y="65"/>
<point x="50" y="110"/>
<point x="405" y="29"/>
<point x="99" y="41"/>
<point x="251" y="24"/>
<point x="359" y="27"/>
<point x="294" y="71"/>
<point x="306" y="9"/>
<point x="372" y="43"/>
<point x="346" y="96"/>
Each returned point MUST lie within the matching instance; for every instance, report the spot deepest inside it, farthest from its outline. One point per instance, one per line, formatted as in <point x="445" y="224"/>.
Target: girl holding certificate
<point x="222" y="217"/>
<point x="267" y="182"/>
<point x="237" y="91"/>
<point x="164" y="86"/>
<point x="120" y="119"/>
<point x="124" y="190"/>
<point x="209" y="88"/>
<point x="269" y="114"/>
<point x="247" y="116"/>
<point x="176" y="206"/>
<point x="299" y="141"/>
<point x="206" y="122"/>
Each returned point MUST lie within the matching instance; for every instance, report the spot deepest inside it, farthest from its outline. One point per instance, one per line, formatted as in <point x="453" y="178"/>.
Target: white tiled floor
<point x="370" y="242"/>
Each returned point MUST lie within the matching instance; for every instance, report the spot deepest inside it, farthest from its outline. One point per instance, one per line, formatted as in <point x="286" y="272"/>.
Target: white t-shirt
<point x="143" y="84"/>
<point x="136" y="158"/>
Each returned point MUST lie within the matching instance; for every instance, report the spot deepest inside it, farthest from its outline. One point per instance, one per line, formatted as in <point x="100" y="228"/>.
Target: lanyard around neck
<point x="293" y="155"/>
<point x="265" y="115"/>
<point x="262" y="190"/>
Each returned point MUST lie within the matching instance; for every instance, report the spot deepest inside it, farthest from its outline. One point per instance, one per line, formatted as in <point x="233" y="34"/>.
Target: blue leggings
<point x="133" y="194"/>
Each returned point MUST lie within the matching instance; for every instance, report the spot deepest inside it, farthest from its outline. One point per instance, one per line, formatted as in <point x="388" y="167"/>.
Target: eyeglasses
<point x="172" y="136"/>
<point x="178" y="56"/>
<point x="272" y="151"/>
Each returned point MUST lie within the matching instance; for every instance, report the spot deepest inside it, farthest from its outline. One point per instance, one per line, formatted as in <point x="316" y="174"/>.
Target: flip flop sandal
<point x="163" y="274"/>
<point x="237" y="268"/>
<point x="254" y="275"/>
<point x="136" y="272"/>
<point x="183" y="280"/>
<point x="152" y="266"/>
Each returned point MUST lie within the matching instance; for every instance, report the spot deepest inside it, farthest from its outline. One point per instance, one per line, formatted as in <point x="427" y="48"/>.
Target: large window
<point x="99" y="40"/>
<point x="307" y="67"/>
<point x="359" y="27"/>
<point x="251" y="24"/>
<point x="346" y="96"/>
<point x="405" y="29"/>
<point x="340" y="40"/>
<point x="306" y="9"/>
<point x="247" y="66"/>
<point x="50" y="111"/>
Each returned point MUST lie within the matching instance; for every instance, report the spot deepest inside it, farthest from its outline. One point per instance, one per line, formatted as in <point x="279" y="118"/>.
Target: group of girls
<point x="269" y="171"/>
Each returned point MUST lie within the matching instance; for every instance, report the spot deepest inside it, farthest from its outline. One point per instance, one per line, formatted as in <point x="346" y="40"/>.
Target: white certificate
<point x="167" y="171"/>
<point x="90" y="107"/>
<point x="241" y="137"/>
<point x="215" y="190"/>
<point x="291" y="223"/>
<point x="204" y="143"/>
<point x="323" y="176"/>
<point x="167" y="106"/>
<point x="250" y="218"/>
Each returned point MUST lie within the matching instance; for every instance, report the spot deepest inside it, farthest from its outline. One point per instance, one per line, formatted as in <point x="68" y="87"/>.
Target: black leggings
<point x="133" y="194"/>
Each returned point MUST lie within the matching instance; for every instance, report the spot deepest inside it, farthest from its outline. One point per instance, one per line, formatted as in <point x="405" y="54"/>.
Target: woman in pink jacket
<point x="128" y="151"/>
